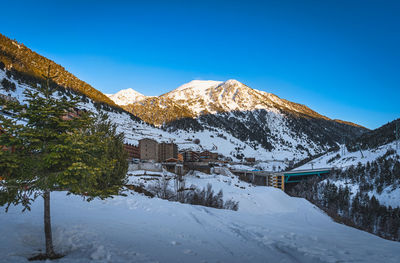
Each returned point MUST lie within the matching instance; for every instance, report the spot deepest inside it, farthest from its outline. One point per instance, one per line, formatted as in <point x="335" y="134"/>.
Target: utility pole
<point x="343" y="146"/>
<point x="397" y="133"/>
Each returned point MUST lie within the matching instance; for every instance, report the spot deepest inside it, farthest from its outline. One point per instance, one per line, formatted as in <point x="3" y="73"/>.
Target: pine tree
<point x="82" y="154"/>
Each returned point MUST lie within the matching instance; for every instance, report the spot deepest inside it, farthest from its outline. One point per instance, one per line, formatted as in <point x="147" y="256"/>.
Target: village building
<point x="132" y="150"/>
<point x="208" y="156"/>
<point x="191" y="156"/>
<point x="204" y="167"/>
<point x="250" y="160"/>
<point x="148" y="149"/>
<point x="151" y="150"/>
<point x="173" y="165"/>
<point x="180" y="157"/>
<point x="167" y="151"/>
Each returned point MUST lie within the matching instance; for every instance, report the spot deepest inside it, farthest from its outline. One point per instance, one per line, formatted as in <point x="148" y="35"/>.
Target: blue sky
<point x="340" y="58"/>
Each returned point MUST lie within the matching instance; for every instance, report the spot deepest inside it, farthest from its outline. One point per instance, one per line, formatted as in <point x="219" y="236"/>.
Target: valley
<point x="191" y="194"/>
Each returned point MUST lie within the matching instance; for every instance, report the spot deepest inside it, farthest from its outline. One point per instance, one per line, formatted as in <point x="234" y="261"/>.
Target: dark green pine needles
<point x="54" y="146"/>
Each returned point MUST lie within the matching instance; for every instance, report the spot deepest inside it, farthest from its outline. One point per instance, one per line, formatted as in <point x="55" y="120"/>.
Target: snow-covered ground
<point x="268" y="227"/>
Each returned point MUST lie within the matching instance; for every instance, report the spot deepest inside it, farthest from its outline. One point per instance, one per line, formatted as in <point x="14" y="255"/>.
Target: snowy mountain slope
<point x="204" y="97"/>
<point x="158" y="110"/>
<point x="134" y="130"/>
<point x="272" y="131"/>
<point x="259" y="118"/>
<point x="337" y="159"/>
<point x="368" y="147"/>
<point x="30" y="66"/>
<point x="260" y="134"/>
<point x="269" y="227"/>
<point x="210" y="97"/>
<point x="126" y="96"/>
<point x="207" y="96"/>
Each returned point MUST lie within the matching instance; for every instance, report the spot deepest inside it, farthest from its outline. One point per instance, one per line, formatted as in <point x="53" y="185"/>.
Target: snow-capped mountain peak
<point x="233" y="82"/>
<point x="215" y="96"/>
<point x="198" y="85"/>
<point x="257" y="117"/>
<point x="126" y="96"/>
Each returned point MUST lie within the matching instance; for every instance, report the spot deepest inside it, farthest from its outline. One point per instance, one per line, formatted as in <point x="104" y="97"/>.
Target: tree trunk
<point x="47" y="225"/>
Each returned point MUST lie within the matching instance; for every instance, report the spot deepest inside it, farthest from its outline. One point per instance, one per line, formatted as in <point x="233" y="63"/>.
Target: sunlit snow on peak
<point x="126" y="96"/>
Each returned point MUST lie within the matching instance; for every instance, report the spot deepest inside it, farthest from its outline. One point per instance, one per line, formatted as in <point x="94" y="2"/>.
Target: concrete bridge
<point x="299" y="175"/>
<point x="280" y="180"/>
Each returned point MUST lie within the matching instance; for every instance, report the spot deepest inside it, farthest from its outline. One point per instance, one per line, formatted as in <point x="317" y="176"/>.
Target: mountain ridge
<point x="258" y="117"/>
<point x="239" y="121"/>
<point x="185" y="95"/>
<point x="17" y="57"/>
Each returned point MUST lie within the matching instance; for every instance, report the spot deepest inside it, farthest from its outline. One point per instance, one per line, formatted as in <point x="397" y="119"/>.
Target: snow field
<point x="269" y="227"/>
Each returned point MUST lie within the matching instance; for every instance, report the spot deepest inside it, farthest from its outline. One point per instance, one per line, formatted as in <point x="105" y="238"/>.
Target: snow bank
<point x="273" y="228"/>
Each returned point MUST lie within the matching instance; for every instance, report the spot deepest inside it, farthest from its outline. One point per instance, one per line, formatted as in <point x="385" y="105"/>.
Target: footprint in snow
<point x="188" y="252"/>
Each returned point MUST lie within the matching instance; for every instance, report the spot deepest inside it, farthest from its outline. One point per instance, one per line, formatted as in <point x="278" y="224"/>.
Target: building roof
<point x="147" y="139"/>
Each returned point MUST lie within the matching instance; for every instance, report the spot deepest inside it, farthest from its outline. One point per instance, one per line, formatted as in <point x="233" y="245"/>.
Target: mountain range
<point x="248" y="114"/>
<point x="201" y="97"/>
<point x="238" y="121"/>
<point x="228" y="117"/>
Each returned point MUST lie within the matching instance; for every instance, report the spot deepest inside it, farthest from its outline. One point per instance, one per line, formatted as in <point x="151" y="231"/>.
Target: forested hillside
<point x="369" y="140"/>
<point x="158" y="110"/>
<point x="30" y="67"/>
<point x="365" y="192"/>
